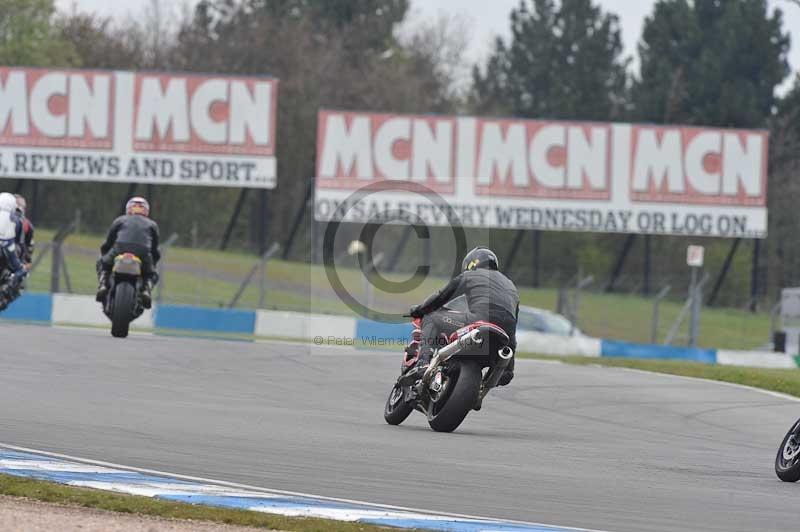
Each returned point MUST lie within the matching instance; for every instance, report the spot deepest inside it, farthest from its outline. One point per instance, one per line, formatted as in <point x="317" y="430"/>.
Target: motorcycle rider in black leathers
<point x="490" y="296"/>
<point x="136" y="233"/>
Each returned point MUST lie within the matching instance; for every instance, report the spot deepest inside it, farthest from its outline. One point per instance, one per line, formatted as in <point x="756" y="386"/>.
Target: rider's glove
<point x="416" y="311"/>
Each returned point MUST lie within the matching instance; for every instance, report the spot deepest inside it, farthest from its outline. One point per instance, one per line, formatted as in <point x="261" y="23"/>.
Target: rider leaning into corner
<point x="490" y="296"/>
<point x="134" y="232"/>
<point x="10" y="229"/>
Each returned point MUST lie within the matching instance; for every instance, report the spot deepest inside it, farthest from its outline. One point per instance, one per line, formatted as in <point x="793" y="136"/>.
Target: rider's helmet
<point x="137" y="205"/>
<point x="22" y="205"/>
<point x="8" y="203"/>
<point x="480" y="257"/>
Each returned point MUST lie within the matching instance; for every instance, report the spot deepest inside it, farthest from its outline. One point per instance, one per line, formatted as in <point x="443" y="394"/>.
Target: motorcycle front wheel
<point x="396" y="410"/>
<point x="787" y="463"/>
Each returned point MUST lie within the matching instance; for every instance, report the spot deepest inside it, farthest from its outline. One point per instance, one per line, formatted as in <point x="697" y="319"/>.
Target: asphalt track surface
<point x="589" y="447"/>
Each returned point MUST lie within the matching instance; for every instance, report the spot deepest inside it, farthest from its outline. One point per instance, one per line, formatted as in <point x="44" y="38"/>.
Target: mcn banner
<point x="159" y="128"/>
<point x="559" y="176"/>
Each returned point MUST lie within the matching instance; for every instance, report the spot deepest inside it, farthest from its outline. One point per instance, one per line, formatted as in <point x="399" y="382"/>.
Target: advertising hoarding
<point x="540" y="174"/>
<point x="143" y="127"/>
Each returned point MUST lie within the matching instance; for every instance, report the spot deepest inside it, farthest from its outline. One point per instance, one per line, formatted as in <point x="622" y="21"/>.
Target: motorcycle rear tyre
<point x="122" y="312"/>
<point x="461" y="399"/>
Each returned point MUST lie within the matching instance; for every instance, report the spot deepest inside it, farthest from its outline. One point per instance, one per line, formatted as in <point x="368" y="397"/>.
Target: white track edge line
<point x="771" y="393"/>
<point x="778" y="395"/>
<point x="279" y="492"/>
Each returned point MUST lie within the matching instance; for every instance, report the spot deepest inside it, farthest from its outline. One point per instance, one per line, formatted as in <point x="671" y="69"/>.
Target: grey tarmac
<point x="589" y="447"/>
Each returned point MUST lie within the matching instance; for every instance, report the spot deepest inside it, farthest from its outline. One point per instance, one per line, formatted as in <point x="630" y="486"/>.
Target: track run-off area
<point x="589" y="447"/>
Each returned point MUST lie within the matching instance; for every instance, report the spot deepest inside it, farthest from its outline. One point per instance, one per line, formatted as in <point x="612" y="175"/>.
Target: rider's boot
<point x="508" y="374"/>
<point x="147" y="294"/>
<point x="423" y="362"/>
<point x="506" y="378"/>
<point x="102" y="286"/>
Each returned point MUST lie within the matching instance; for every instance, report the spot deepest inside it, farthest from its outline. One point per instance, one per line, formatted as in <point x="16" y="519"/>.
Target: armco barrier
<point x="30" y="307"/>
<point x="69" y="309"/>
<point x="610" y="348"/>
<point x="273" y="323"/>
<point x="213" y="320"/>
<point x="65" y="309"/>
<point x="552" y="345"/>
<point x="368" y="331"/>
<point x="757" y="359"/>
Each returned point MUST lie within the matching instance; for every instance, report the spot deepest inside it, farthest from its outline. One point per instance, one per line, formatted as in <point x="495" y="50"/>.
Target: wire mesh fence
<point x="210" y="278"/>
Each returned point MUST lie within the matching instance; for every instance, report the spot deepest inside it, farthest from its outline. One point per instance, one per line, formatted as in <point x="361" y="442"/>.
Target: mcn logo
<point x="158" y="112"/>
<point x="183" y="113"/>
<point x="695" y="165"/>
<point x="543" y="159"/>
<point x="46" y="108"/>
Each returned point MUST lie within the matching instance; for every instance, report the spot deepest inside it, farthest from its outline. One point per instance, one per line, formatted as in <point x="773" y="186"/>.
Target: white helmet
<point x="8" y="203"/>
<point x="137" y="205"/>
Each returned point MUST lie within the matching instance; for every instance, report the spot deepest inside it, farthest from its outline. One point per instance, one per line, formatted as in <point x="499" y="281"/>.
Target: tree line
<point x="699" y="62"/>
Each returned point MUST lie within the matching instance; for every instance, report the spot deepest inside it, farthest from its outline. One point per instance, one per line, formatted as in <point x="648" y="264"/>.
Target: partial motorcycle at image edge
<point x="16" y="248"/>
<point x="787" y="462"/>
<point x="456" y="381"/>
<point x="9" y="291"/>
<point x="123" y="301"/>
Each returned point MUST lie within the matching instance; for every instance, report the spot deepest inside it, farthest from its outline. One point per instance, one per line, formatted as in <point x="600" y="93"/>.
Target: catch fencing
<point x="201" y="277"/>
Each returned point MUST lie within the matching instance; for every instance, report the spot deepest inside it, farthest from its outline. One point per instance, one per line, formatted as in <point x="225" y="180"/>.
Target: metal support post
<point x="723" y="273"/>
<point x="537" y="258"/>
<point x="656" y="313"/>
<point x="161" y="273"/>
<point x="620" y="264"/>
<point x="234" y="217"/>
<point x="512" y="253"/>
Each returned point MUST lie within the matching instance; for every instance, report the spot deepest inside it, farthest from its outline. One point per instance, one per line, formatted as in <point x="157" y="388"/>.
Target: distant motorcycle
<point x="454" y="382"/>
<point x="787" y="463"/>
<point x="123" y="302"/>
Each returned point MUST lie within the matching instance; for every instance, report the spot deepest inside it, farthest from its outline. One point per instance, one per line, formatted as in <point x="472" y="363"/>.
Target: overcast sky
<point x="487" y="18"/>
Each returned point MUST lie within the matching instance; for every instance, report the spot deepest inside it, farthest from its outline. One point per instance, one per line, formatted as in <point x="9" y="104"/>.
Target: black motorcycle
<point x="787" y="463"/>
<point x="454" y="382"/>
<point x="123" y="304"/>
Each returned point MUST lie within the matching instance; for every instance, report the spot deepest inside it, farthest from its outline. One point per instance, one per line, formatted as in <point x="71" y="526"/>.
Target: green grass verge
<point x="205" y="277"/>
<point x="777" y="380"/>
<point x="132" y="504"/>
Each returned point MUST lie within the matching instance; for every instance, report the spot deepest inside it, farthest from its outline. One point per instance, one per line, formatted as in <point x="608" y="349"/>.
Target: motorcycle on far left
<point x="123" y="302"/>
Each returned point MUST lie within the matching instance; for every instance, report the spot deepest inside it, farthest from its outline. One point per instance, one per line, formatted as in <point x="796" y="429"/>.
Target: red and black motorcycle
<point x="455" y="381"/>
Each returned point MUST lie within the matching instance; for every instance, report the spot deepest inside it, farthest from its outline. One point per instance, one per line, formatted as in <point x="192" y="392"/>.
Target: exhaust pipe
<point x="446" y="353"/>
